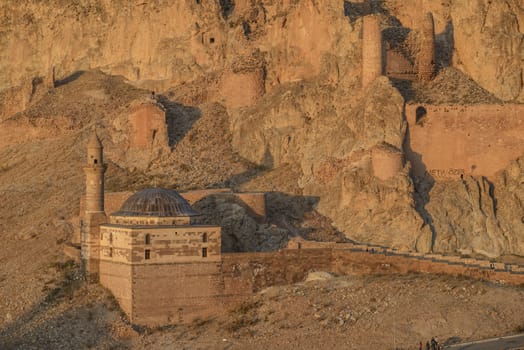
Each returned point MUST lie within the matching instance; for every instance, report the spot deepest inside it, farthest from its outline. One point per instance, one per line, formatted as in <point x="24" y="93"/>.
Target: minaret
<point x="94" y="214"/>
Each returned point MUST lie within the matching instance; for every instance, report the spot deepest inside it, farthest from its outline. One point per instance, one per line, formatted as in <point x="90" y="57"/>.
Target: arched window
<point x="420" y="113"/>
<point x="204" y="237"/>
<point x="148" y="239"/>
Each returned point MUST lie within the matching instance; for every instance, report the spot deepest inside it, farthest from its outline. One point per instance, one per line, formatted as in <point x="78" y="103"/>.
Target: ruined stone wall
<point x="255" y="201"/>
<point x="194" y="196"/>
<point x="148" y="126"/>
<point x="244" y="88"/>
<point x="446" y="142"/>
<point x="371" y="49"/>
<point x="261" y="270"/>
<point x="386" y="162"/>
<point x="348" y="262"/>
<point x="398" y="66"/>
<point x="426" y="56"/>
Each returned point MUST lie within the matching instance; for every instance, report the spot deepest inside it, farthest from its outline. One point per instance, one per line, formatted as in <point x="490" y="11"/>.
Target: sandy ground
<point x="345" y="312"/>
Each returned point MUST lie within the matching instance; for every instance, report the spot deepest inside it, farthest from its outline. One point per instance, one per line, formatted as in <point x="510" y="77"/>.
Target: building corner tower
<point x="372" y="55"/>
<point x="94" y="214"/>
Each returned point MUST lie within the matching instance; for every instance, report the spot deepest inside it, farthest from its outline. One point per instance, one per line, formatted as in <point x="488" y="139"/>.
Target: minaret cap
<point x="94" y="141"/>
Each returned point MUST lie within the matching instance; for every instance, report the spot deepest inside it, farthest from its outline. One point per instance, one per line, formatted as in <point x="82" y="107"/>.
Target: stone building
<point x="159" y="266"/>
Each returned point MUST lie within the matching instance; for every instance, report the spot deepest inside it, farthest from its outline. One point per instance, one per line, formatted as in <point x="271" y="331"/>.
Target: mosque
<point x="160" y="266"/>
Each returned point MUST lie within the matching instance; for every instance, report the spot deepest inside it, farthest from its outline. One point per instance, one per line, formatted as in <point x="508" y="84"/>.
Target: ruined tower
<point x="94" y="214"/>
<point x="371" y="49"/>
<point x="426" y="57"/>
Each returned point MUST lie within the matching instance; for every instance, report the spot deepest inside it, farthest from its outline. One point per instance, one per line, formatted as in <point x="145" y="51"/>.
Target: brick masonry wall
<point x="243" y="88"/>
<point x="398" y="66"/>
<point x="176" y="293"/>
<point x="450" y="141"/>
<point x="148" y="123"/>
<point x="117" y="278"/>
<point x="261" y="270"/>
<point x="372" y="61"/>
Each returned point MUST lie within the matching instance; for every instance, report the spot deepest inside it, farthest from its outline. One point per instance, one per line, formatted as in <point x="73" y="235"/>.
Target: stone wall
<point x="176" y="293"/>
<point x="257" y="271"/>
<point x="117" y="278"/>
<point x="148" y="126"/>
<point x="244" y="88"/>
<point x="182" y="292"/>
<point x="371" y="49"/>
<point x="348" y="258"/>
<point x="386" y="161"/>
<point x="167" y="245"/>
<point x="426" y="56"/>
<point x="255" y="201"/>
<point x="398" y="66"/>
<point x="446" y="142"/>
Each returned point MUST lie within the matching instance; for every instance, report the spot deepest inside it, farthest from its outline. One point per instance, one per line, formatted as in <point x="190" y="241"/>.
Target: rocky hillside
<point x="258" y="95"/>
<point x="260" y="85"/>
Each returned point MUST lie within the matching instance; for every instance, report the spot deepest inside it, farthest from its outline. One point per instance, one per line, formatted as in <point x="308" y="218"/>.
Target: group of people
<point x="431" y="345"/>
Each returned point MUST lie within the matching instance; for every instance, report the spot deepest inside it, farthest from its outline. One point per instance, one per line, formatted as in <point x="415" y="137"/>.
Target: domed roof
<point x="156" y="202"/>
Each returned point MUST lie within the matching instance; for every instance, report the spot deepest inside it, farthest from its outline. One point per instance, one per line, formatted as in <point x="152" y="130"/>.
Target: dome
<point x="158" y="202"/>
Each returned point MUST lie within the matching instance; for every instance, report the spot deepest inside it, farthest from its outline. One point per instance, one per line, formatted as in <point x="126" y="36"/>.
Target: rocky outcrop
<point x="240" y="231"/>
<point x="489" y="44"/>
<point x="474" y="215"/>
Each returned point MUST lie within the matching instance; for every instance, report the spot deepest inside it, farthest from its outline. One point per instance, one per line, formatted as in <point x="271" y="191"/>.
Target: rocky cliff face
<point x="253" y="88"/>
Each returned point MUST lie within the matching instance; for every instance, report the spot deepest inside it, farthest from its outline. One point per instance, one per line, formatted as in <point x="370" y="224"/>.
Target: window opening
<point x="204" y="252"/>
<point x="211" y="40"/>
<point x="204" y="237"/>
<point x="147" y="254"/>
<point x="420" y="113"/>
<point x="96" y="161"/>
<point x="148" y="239"/>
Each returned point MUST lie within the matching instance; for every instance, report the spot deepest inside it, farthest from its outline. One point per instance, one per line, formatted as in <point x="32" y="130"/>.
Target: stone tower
<point x="94" y="214"/>
<point x="372" y="61"/>
<point x="426" y="57"/>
